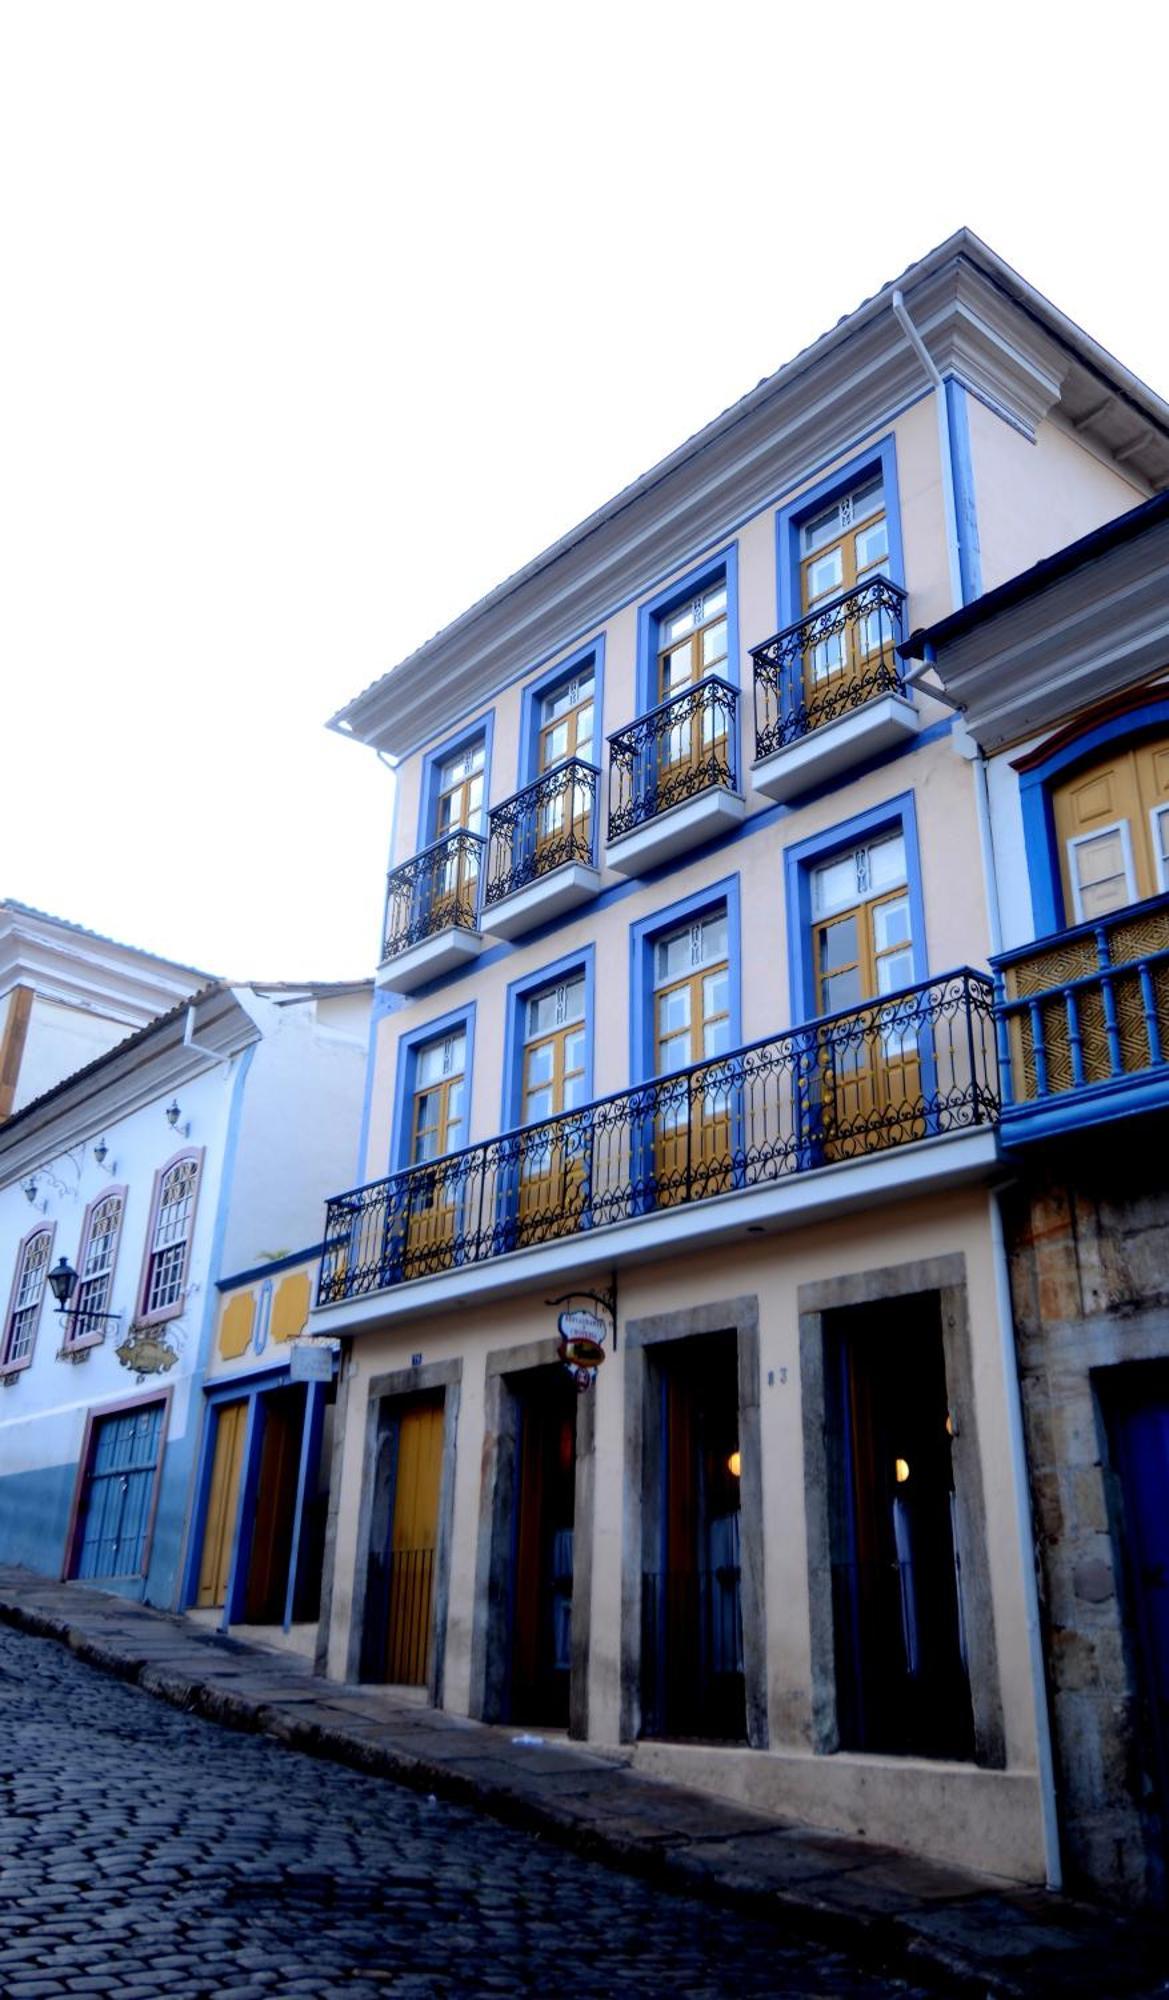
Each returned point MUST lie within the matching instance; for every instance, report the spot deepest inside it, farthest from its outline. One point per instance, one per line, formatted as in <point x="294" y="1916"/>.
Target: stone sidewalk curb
<point x="961" y="1933"/>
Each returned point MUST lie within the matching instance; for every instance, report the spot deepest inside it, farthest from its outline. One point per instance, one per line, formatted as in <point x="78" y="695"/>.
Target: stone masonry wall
<point x="1088" y="1237"/>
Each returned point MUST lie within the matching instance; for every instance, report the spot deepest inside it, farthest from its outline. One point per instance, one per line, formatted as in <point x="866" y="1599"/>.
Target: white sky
<point x="317" y="321"/>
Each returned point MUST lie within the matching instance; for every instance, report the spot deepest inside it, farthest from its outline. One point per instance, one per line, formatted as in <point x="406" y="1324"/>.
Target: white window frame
<point x="75" y="1336"/>
<point x="153" y="1315"/>
<point x="10" y="1364"/>
<point x="1121" y="826"/>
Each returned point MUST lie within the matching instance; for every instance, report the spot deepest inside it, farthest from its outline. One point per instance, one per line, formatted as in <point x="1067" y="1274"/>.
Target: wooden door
<point x="843" y="548"/>
<point x="563" y="822"/>
<point x="119" y="1494"/>
<point x="275" y="1520"/>
<point x="692" y="1146"/>
<point x="541" y="1660"/>
<point x="460" y="804"/>
<point x="438" y="1128"/>
<point x="869" y="1055"/>
<point x="692" y="645"/>
<point x="413" y="1542"/>
<point x="552" y="1167"/>
<point x="231" y="1424"/>
<point x="1140" y="1435"/>
<point x="1112" y="824"/>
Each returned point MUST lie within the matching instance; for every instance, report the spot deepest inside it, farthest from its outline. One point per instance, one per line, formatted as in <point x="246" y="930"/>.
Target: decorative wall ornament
<point x="147" y="1351"/>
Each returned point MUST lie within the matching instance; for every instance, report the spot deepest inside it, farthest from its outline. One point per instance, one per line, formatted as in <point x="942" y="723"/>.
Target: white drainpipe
<point x="1020" y="1486"/>
<point x="949" y="505"/>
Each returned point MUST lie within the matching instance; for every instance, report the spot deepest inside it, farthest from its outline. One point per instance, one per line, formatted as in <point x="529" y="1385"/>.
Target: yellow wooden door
<point x="413" y="1542"/>
<point x="226" y="1466"/>
<point x="692" y="1141"/>
<point x="693" y="645"/>
<point x="552" y="1168"/>
<point x="566" y="730"/>
<point x="1112" y="824"/>
<point x="460" y="804"/>
<point x="438" y="1128"/>
<point x="870" y="1060"/>
<point x="844" y="547"/>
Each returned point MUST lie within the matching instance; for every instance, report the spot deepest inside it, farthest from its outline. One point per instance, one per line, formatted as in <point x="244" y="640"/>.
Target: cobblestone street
<point x="145" y="1852"/>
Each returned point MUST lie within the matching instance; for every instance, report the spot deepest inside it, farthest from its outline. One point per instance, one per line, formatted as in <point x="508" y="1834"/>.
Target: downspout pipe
<point x="945" y="450"/>
<point x="1020" y="1489"/>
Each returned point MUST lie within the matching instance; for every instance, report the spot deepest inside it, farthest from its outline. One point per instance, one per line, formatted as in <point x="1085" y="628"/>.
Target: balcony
<point x="1084" y="1025"/>
<point x="709" y="1150"/>
<point x="542" y="850"/>
<point x="674" y="777"/>
<point x="432" y="912"/>
<point x="830" y="691"/>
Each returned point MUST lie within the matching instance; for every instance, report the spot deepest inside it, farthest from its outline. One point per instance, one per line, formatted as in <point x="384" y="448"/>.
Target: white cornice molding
<point x="980" y="322"/>
<point x="75" y="968"/>
<point x="122" y="1082"/>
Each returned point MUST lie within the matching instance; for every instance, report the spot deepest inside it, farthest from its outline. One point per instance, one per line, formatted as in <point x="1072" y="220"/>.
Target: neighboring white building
<point x="199" y="1146"/>
<point x="67" y="995"/>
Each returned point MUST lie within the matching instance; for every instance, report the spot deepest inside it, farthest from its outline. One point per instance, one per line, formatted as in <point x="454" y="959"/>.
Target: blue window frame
<point x="409" y="1049"/>
<point x="519" y="993"/>
<point x="645" y="935"/>
<point x="1037" y="786"/>
<point x="548" y="683"/>
<point x="896" y="815"/>
<point x="482" y="730"/>
<point x="882" y="458"/>
<point x="722" y="566"/>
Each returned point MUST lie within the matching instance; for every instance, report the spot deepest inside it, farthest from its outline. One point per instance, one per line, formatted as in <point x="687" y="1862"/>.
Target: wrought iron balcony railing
<point x="549" y="823"/>
<point x="908" y="1066"/>
<point x="433" y="891"/>
<point x="687" y="745"/>
<point x="833" y="661"/>
<point x="1089" y="1007"/>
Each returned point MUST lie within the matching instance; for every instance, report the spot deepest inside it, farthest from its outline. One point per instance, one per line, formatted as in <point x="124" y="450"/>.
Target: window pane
<point x="539" y="1104"/>
<point x="716" y="1038"/>
<point x="834" y="886"/>
<point x="716" y="993"/>
<point x="714" y="938"/>
<point x="1100" y="859"/>
<point x="825" y="575"/>
<point x="540" y="1063"/>
<point x="838" y="945"/>
<point x="887" y="862"/>
<point x="895" y="972"/>
<point x="714" y="644"/>
<point x="679" y="622"/>
<point x="673" y="956"/>
<point x="556" y="743"/>
<point x="674" y="1011"/>
<point x="872" y="546"/>
<point x="891" y="923"/>
<point x="673" y="1054"/>
<point x="574" y="1050"/>
<point x="842" y="989"/>
<point x="677" y="668"/>
<point x="820" y="530"/>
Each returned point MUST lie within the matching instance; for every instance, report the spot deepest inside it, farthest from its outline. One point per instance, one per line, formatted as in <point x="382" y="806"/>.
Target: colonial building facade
<point x="136" y="1186"/>
<point x="1064" y="678"/>
<point x="684" y="1021"/>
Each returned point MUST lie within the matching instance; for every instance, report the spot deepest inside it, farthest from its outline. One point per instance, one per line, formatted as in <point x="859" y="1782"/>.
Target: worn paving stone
<point x="311" y="1879"/>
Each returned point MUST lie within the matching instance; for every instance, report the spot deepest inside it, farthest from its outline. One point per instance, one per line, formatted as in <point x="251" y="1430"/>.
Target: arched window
<point x="169" y="1244"/>
<point x="24" y="1308"/>
<point x="1111" y="820"/>
<point x="95" y="1266"/>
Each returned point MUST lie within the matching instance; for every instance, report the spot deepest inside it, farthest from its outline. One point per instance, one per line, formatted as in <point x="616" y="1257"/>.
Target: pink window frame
<point x="7" y="1367"/>
<point x="163" y="1313"/>
<point x="71" y="1344"/>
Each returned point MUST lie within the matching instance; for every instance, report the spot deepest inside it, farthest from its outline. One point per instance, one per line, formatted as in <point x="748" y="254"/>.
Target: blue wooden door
<point x="1141" y="1437"/>
<point x="119" y="1488"/>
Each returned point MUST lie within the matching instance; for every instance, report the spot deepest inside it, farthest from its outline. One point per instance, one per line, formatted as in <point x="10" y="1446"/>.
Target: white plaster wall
<point x="1033" y="499"/>
<point x="299" y="1125"/>
<point x="987" y="1818"/>
<point x="60" y="1041"/>
<point x="42" y="1413"/>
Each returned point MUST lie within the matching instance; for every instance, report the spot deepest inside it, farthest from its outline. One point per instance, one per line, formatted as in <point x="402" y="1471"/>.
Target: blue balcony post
<point x="1038" y="1047"/>
<point x="1149" y="1008"/>
<point x="1075" y="1037"/>
<point x="1003" y="1036"/>
<point x="1111" y="1024"/>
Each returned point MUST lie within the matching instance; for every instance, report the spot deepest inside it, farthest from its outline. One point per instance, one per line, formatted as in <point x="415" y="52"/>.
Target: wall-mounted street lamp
<point x="63" y="1283"/>
<point x="173" y="1114"/>
<point x="30" y="1188"/>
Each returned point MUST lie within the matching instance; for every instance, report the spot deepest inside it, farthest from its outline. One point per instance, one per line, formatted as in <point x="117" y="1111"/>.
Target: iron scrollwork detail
<point x="687" y="745"/>
<point x="550" y="823"/>
<point x="433" y="891"/>
<point x="828" y="664"/>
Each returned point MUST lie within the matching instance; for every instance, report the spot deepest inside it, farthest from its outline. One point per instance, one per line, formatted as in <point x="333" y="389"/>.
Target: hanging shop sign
<point x="582" y="1343"/>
